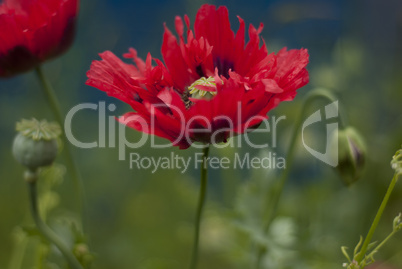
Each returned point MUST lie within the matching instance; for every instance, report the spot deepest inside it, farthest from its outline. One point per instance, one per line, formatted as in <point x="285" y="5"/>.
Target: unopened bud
<point x="397" y="223"/>
<point x="36" y="143"/>
<point x="82" y="253"/>
<point x="396" y="162"/>
<point x="351" y="155"/>
<point x="80" y="250"/>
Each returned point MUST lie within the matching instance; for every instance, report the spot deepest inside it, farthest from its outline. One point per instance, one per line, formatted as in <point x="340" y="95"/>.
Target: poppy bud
<point x="82" y="253"/>
<point x="351" y="155"/>
<point x="397" y="223"/>
<point x="36" y="143"/>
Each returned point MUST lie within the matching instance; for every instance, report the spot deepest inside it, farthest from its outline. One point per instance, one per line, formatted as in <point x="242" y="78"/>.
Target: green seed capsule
<point x="36" y="143"/>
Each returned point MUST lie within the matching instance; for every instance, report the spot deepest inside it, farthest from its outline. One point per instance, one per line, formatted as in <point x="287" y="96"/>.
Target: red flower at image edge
<point x="33" y="31"/>
<point x="212" y="86"/>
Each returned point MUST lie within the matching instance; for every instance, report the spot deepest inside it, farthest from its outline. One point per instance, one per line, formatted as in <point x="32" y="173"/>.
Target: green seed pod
<point x="36" y="143"/>
<point x="351" y="155"/>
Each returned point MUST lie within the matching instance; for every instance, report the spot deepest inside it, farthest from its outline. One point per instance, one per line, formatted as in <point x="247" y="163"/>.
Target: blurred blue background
<point x="136" y="219"/>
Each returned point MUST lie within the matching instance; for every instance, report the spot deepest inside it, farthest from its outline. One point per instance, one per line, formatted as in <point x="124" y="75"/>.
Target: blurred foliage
<point x="138" y="219"/>
<point x="30" y="248"/>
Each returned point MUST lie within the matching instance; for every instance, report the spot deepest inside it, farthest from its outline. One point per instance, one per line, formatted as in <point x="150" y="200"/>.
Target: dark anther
<point x="199" y="71"/>
<point x="223" y="66"/>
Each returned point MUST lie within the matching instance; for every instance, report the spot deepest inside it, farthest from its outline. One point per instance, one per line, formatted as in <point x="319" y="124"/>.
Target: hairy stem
<point x="55" y="107"/>
<point x="201" y="201"/>
<point x="376" y="220"/>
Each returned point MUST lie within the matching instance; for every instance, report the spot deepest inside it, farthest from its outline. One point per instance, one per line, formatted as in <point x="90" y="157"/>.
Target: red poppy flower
<point x="33" y="31"/>
<point x="213" y="85"/>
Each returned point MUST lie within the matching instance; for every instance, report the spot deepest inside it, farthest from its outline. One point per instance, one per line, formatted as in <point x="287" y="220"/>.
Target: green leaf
<point x="356" y="251"/>
<point x="345" y="253"/>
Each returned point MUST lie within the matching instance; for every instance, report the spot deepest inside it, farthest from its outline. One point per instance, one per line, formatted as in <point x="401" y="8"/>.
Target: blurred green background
<point x="138" y="219"/>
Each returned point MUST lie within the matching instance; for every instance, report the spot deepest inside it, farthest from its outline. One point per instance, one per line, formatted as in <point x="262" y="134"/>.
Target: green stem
<point x="46" y="231"/>
<point x="377" y="218"/>
<point x="230" y="179"/>
<point x="55" y="107"/>
<point x="273" y="202"/>
<point x="382" y="243"/>
<point x="201" y="201"/>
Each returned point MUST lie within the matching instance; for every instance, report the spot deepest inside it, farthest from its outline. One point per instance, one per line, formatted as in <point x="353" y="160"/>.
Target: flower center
<point x="203" y="88"/>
